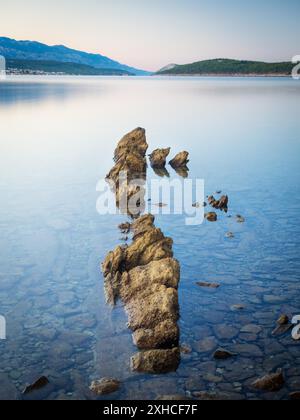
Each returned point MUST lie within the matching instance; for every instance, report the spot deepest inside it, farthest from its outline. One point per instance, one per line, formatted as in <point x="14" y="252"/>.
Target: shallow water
<point x="57" y="141"/>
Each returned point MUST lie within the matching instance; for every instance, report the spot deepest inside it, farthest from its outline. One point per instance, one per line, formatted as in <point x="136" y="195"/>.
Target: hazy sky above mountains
<point x="151" y="34"/>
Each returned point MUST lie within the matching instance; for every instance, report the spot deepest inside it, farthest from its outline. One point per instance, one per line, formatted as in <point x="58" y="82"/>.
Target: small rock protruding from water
<point x="105" y="386"/>
<point x="180" y="160"/>
<point x="158" y="157"/>
<point x="211" y="216"/>
<point x="240" y="219"/>
<point x="125" y="227"/>
<point x="221" y="204"/>
<point x="229" y="235"/>
<point x="272" y="382"/>
<point x="199" y="205"/>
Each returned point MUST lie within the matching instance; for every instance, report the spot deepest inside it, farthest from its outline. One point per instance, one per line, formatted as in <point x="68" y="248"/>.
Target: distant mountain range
<point x="228" y="67"/>
<point x="32" y="57"/>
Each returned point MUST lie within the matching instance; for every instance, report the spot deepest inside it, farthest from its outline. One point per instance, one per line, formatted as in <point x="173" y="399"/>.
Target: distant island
<point x="31" y="57"/>
<point x="227" y="67"/>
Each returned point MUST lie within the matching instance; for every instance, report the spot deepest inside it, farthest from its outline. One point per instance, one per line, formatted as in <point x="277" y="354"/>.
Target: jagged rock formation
<point x="144" y="275"/>
<point x="180" y="160"/>
<point x="221" y="204"/>
<point x="158" y="157"/>
<point x="126" y="177"/>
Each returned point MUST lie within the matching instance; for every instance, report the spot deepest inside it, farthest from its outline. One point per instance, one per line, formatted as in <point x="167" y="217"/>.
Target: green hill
<point x="56" y="67"/>
<point x="229" y="67"/>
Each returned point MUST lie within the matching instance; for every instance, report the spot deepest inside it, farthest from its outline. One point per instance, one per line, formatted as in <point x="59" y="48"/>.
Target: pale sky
<point x="151" y="34"/>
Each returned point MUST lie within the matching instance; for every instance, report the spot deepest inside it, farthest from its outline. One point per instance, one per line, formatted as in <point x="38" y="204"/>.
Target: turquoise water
<point x="57" y="141"/>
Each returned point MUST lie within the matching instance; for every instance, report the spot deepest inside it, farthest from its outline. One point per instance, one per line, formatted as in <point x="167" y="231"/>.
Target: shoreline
<point x="224" y="75"/>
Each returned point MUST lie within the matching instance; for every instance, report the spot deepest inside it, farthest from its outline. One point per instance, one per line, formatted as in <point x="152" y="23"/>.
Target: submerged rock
<point x="173" y="398"/>
<point x="238" y="307"/>
<point x="198" y="205"/>
<point x="222" y="354"/>
<point x="283" y="320"/>
<point x="180" y="160"/>
<point x="240" y="219"/>
<point x="208" y="285"/>
<point x="156" y="361"/>
<point x="158" y="157"/>
<point x="105" y="386"/>
<point x="185" y="349"/>
<point x="282" y="329"/>
<point x="229" y="235"/>
<point x="251" y="329"/>
<point x="273" y="382"/>
<point x="295" y="395"/>
<point x="39" y="384"/>
<point x="210" y="396"/>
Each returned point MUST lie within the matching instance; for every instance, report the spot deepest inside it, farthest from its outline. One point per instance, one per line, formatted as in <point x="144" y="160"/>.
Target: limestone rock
<point x="105" y="386"/>
<point x="221" y="204"/>
<point x="156" y="304"/>
<point x="156" y="361"/>
<point x="211" y="216"/>
<point x="208" y="285"/>
<point x="173" y="398"/>
<point x="282" y="329"/>
<point x="135" y="142"/>
<point x="158" y="157"/>
<point x="125" y="227"/>
<point x="273" y="382"/>
<point x="144" y="274"/>
<point x="295" y="396"/>
<point x="180" y="160"/>
<point x="38" y="384"/>
<point x="222" y="354"/>
<point x="163" y="272"/>
<point x="283" y="320"/>
<point x="211" y="396"/>
<point x="113" y="262"/>
<point x="164" y="335"/>
<point x="151" y="246"/>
